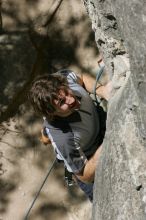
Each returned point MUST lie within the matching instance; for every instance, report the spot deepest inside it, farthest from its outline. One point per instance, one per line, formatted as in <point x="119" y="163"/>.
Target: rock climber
<point x="72" y="121"/>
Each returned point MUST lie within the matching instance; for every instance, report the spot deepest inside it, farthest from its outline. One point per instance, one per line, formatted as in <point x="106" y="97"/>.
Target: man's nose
<point x="69" y="100"/>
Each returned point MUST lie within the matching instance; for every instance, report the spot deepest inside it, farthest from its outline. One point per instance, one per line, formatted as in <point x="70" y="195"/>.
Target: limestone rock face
<point x="120" y="183"/>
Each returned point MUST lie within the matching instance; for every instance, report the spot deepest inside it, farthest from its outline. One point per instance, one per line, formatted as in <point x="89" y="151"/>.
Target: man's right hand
<point x="44" y="139"/>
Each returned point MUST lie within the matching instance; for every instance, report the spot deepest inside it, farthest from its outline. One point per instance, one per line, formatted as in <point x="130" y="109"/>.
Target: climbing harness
<point x="68" y="178"/>
<point x="37" y="194"/>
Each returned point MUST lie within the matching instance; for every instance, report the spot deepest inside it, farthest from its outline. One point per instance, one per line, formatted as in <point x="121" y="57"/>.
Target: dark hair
<point x="44" y="89"/>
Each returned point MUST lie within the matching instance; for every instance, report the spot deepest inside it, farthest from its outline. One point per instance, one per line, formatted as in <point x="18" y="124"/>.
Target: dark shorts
<point x="87" y="188"/>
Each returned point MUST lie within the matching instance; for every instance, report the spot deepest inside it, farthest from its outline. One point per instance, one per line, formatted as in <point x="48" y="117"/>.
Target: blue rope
<point x="98" y="75"/>
<point x="49" y="171"/>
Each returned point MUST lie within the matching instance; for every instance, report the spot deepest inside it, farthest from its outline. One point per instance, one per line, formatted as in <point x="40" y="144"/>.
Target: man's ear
<point x="51" y="109"/>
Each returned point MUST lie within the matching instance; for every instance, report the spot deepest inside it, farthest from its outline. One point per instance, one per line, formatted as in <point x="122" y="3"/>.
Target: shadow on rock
<point x="50" y="211"/>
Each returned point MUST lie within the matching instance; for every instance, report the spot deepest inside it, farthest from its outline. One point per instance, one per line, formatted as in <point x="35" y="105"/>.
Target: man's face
<point x="66" y="103"/>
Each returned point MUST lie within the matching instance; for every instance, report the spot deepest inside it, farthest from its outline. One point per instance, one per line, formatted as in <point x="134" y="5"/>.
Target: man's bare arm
<point x="88" y="81"/>
<point x="89" y="170"/>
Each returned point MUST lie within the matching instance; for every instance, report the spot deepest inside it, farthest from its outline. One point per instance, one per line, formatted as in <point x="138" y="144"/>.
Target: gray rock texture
<point x="120" y="183"/>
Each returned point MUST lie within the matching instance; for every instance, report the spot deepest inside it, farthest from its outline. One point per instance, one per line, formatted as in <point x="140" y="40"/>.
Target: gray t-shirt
<point x="76" y="137"/>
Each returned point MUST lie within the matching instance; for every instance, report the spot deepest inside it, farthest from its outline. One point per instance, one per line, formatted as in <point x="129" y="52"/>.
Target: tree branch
<point x="1" y="20"/>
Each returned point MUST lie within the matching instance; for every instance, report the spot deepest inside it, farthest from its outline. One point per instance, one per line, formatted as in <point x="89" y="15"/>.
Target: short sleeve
<point x="70" y="75"/>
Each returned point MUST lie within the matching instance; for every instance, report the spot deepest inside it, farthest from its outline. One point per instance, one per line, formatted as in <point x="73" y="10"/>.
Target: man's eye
<point x="61" y="102"/>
